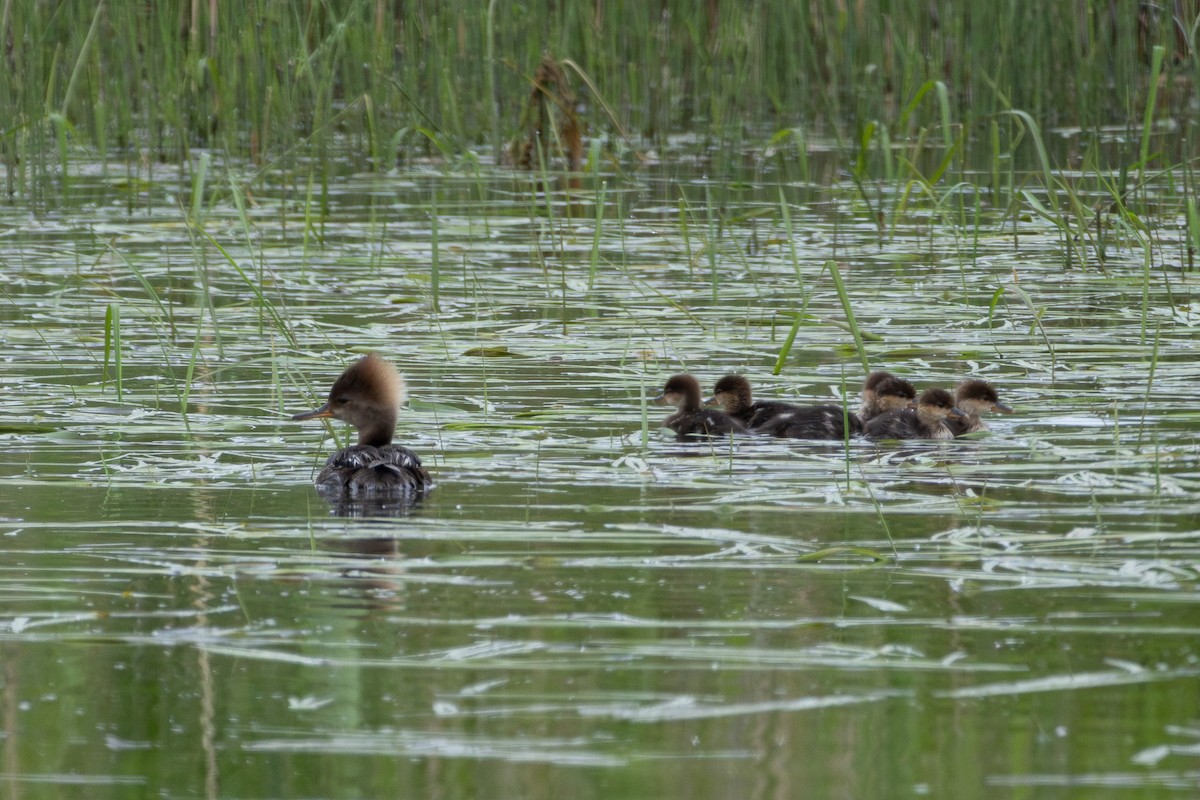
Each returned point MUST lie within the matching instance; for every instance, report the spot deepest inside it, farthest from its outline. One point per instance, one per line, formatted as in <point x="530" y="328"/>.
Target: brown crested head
<point x="938" y="402"/>
<point x="681" y="391"/>
<point x="871" y="384"/>
<point x="368" y="396"/>
<point x="893" y="392"/>
<point x="732" y="393"/>
<point x="975" y="396"/>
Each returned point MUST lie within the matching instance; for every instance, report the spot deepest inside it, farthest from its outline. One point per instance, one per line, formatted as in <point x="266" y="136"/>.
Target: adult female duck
<point x="368" y="396"/>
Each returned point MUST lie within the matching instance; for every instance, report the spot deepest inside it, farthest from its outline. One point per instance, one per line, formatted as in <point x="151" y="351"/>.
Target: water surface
<point x="583" y="606"/>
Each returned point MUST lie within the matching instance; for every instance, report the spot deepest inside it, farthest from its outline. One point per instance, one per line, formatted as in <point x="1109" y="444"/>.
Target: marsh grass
<point x="689" y="572"/>
<point x="434" y="254"/>
<point x="257" y="80"/>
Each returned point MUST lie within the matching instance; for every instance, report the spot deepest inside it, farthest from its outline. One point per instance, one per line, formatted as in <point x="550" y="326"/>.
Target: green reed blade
<point x="597" y="233"/>
<point x="109" y="314"/>
<point x="791" y="238"/>
<point x="878" y="510"/>
<point x="1193" y="228"/>
<point x="845" y="425"/>
<point x="281" y="324"/>
<point x="644" y="406"/>
<point x="712" y="240"/>
<point x="198" y="181"/>
<point x="1149" y="382"/>
<point x="836" y="274"/>
<point x="80" y="58"/>
<point x="164" y="312"/>
<point x="1037" y="322"/>
<point x="1156" y="62"/>
<point x="434" y="263"/>
<point x="112" y="343"/>
<point x="185" y="392"/>
<point x="1035" y="133"/>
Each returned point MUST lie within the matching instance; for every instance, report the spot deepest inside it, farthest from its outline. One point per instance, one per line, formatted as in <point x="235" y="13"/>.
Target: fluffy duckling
<point x="883" y="392"/>
<point x="785" y="420"/>
<point x="368" y="396"/>
<point x="974" y="398"/>
<point x="691" y="417"/>
<point x="827" y="421"/>
<point x="732" y="393"/>
<point x="869" y="394"/>
<point x="926" y="421"/>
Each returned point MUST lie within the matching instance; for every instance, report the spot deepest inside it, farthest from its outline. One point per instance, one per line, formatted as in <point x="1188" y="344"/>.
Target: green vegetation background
<point x="261" y="78"/>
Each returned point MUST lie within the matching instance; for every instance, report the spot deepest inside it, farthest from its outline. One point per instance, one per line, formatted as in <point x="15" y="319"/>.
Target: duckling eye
<point x="341" y="401"/>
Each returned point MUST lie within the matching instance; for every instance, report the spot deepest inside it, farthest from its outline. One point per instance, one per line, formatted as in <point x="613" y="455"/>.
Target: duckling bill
<point x="368" y="396"/>
<point x="691" y="418"/>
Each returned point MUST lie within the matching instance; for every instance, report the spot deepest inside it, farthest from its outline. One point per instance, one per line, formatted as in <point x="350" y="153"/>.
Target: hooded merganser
<point x="869" y="394"/>
<point x="691" y="417"/>
<point x="732" y="393"/>
<point x="926" y="421"/>
<point x="782" y="419"/>
<point x="368" y="395"/>
<point x="974" y="398"/>
<point x="883" y="392"/>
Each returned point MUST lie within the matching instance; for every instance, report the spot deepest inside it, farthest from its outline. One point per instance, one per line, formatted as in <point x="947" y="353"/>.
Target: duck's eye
<point x="341" y="401"/>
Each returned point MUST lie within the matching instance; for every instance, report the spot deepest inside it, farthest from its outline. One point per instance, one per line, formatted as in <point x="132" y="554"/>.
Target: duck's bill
<point x="661" y="400"/>
<point x="1003" y="409"/>
<point x="957" y="412"/>
<point x="710" y="401"/>
<point x="319" y="413"/>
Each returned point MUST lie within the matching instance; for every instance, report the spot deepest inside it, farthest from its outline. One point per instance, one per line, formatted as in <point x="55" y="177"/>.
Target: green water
<point x="573" y="612"/>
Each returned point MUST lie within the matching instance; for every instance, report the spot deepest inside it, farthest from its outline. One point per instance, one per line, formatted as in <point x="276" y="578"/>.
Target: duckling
<point x="926" y="421"/>
<point x="785" y="420"/>
<point x="883" y="392"/>
<point x="974" y="398"/>
<point x="732" y="393"/>
<point x="868" y="409"/>
<point x="826" y="421"/>
<point x="368" y="395"/>
<point x="691" y="417"/>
